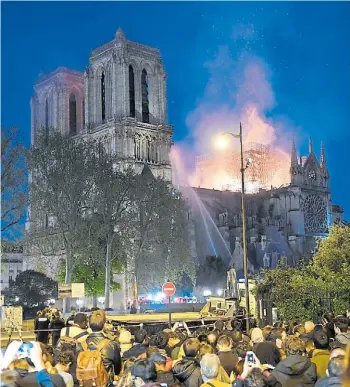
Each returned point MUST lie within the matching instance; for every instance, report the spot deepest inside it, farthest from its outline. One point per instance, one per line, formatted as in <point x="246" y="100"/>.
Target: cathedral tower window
<point x="145" y="100"/>
<point x="46" y="114"/>
<point x="103" y="97"/>
<point x="83" y="109"/>
<point x="132" y="91"/>
<point x="72" y="114"/>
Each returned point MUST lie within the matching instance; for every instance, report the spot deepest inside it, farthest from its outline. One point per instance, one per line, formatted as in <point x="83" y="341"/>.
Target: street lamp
<point x="221" y="142"/>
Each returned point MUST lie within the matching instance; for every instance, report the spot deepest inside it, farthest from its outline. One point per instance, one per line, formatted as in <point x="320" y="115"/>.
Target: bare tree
<point x="13" y="181"/>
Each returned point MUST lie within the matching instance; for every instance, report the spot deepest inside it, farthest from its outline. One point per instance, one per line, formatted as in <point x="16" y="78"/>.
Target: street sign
<point x="169" y="289"/>
<point x="74" y="290"/>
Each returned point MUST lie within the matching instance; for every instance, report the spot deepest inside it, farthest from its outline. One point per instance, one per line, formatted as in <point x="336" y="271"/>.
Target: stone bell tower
<point x="125" y="99"/>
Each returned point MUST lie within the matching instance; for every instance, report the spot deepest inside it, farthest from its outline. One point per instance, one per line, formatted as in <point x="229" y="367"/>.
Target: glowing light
<point x="207" y="293"/>
<point x="80" y="302"/>
<point x="159" y="296"/>
<point x="220" y="292"/>
<point x="101" y="300"/>
<point x="221" y="142"/>
<point x="150" y="297"/>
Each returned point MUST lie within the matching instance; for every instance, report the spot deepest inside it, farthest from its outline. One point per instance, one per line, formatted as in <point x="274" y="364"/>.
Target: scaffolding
<point x="267" y="163"/>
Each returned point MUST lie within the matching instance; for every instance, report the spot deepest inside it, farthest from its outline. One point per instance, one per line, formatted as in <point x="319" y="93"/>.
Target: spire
<point x="294" y="157"/>
<point x="120" y="35"/>
<point x="323" y="161"/>
<point x="310" y="145"/>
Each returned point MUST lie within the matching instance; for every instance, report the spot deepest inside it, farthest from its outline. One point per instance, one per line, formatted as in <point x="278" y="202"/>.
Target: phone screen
<point x="24" y="350"/>
<point x="250" y="358"/>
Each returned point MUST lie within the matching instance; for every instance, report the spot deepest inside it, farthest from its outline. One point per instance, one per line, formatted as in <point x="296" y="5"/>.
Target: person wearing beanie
<point x="256" y="336"/>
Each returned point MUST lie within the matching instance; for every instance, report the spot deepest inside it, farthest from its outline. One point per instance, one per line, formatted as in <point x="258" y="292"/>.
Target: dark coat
<point x="42" y="326"/>
<point x="56" y="325"/>
<point x="228" y="361"/>
<point x="267" y="353"/>
<point x="294" y="371"/>
<point x="110" y="353"/>
<point x="188" y="372"/>
<point x="135" y="351"/>
<point x="28" y="379"/>
<point x="165" y="377"/>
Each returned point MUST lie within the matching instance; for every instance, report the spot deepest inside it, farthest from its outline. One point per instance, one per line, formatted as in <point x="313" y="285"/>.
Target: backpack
<point x="66" y="343"/>
<point x="90" y="369"/>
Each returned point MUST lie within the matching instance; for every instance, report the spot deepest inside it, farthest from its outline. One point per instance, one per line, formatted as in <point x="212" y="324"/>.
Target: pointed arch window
<point x="145" y="100"/>
<point x="72" y="114"/>
<point x="103" y="97"/>
<point x="132" y="91"/>
<point x="47" y="114"/>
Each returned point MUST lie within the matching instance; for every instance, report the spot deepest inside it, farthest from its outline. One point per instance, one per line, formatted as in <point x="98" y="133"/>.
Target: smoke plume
<point x="239" y="89"/>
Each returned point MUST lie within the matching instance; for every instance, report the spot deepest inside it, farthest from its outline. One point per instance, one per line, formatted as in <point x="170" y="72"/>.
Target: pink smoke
<point x="248" y="98"/>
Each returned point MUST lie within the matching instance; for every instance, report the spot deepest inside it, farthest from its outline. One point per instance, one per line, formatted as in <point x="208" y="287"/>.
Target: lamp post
<point x="221" y="142"/>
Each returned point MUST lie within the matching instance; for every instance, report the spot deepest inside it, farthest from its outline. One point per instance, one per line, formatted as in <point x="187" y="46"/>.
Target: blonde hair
<point x="346" y="376"/>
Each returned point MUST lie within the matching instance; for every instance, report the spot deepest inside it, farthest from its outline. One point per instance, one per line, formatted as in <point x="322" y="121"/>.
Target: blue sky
<point x="304" y="48"/>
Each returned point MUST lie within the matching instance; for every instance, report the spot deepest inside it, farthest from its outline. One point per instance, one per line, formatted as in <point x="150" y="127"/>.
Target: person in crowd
<point x="256" y="336"/>
<point x="238" y="369"/>
<point x="161" y="341"/>
<point x="320" y="354"/>
<point x="42" y="328"/>
<point x="125" y="341"/>
<point x="110" y="352"/>
<point x="35" y="370"/>
<point x="309" y="329"/>
<point x="206" y="349"/>
<point x="77" y="329"/>
<point x="144" y="373"/>
<point x="56" y="324"/>
<point x="267" y="353"/>
<point x="342" y="331"/>
<point x="163" y="375"/>
<point x="237" y="337"/>
<point x="299" y="330"/>
<point x="266" y="330"/>
<point x="173" y="342"/>
<point x="187" y="370"/>
<point x="228" y="359"/>
<point x="63" y="364"/>
<point x="219" y="327"/>
<point x="209" y="366"/>
<point x="335" y="370"/>
<point x="242" y="349"/>
<point x="140" y="345"/>
<point x="309" y="348"/>
<point x="295" y="369"/>
<point x="213" y="339"/>
<point x="70" y="319"/>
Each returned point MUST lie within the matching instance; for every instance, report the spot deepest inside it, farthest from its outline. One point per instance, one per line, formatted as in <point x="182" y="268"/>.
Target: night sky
<point x="304" y="48"/>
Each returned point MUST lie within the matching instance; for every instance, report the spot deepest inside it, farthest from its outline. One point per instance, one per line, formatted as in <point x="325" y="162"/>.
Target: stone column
<point x="55" y="109"/>
<point x="65" y="111"/>
<point x="121" y="90"/>
<point x="114" y="89"/>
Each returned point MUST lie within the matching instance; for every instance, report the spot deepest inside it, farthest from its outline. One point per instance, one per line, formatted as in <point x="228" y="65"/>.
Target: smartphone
<point x="250" y="358"/>
<point x="24" y="349"/>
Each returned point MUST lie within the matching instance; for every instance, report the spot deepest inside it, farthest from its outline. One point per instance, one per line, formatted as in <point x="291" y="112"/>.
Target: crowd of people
<point x="89" y="351"/>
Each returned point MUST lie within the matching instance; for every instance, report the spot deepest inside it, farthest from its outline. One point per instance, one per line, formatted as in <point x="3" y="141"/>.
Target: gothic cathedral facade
<point x="121" y="97"/>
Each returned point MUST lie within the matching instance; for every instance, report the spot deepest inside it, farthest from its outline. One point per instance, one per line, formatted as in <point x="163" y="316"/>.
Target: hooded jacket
<point x="320" y="357"/>
<point x="342" y="339"/>
<point x="329" y="381"/>
<point x="294" y="371"/>
<point x="188" y="372"/>
<point x="135" y="351"/>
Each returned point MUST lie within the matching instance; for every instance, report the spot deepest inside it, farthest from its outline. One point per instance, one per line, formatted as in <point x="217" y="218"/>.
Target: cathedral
<point x="121" y="97"/>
